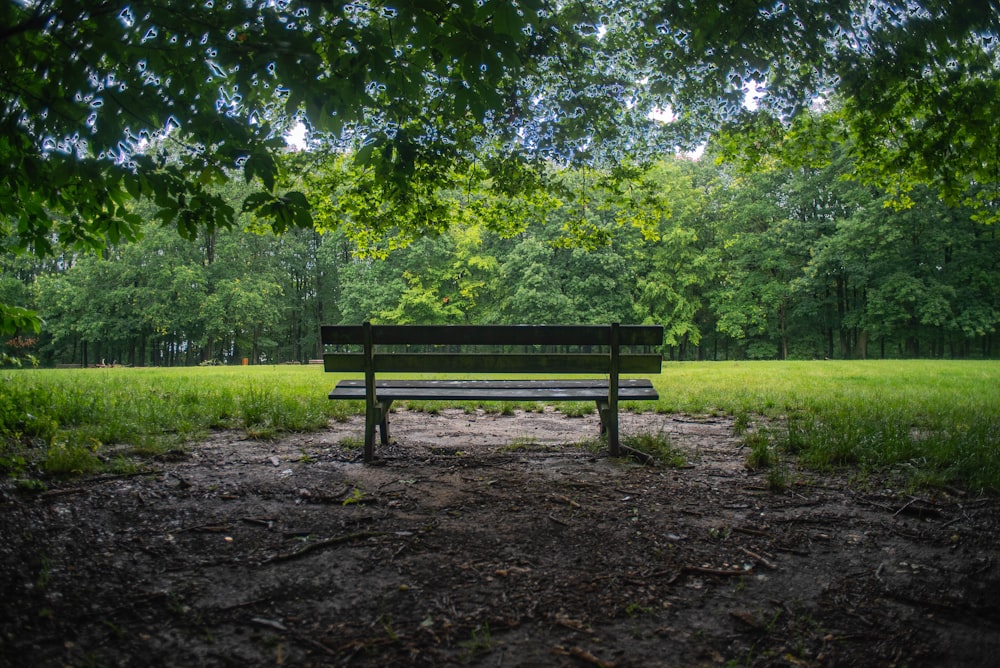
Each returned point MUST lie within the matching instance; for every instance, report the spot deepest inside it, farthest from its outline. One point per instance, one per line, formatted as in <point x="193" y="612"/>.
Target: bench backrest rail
<point x="534" y="342"/>
<point x="530" y="335"/>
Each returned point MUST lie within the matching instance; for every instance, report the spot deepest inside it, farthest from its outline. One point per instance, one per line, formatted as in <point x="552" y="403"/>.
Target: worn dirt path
<point x="488" y="540"/>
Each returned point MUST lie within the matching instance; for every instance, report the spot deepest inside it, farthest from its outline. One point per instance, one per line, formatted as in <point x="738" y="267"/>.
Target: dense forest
<point x="497" y="161"/>
<point x="771" y="262"/>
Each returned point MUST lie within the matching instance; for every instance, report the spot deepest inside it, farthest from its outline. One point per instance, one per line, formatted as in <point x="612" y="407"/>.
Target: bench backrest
<point x="563" y="349"/>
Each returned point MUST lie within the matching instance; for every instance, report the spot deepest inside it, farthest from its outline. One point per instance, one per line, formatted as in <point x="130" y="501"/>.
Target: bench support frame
<point x="379" y="395"/>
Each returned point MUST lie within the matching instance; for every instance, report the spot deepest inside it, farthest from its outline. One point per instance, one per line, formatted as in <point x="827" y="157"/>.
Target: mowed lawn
<point x="935" y="422"/>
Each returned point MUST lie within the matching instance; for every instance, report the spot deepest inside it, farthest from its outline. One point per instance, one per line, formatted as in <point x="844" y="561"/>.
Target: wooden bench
<point x="607" y="350"/>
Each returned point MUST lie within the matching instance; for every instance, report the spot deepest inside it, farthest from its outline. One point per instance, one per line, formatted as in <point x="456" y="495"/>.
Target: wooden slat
<point x="640" y="363"/>
<point x="634" y="390"/>
<point x="598" y="383"/>
<point x="487" y="363"/>
<point x="332" y="335"/>
<point x="344" y="362"/>
<point x="502" y="335"/>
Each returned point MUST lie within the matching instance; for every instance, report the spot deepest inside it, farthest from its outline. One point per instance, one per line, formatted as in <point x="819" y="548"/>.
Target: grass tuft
<point x="761" y="455"/>
<point x="577" y="408"/>
<point x="657" y="446"/>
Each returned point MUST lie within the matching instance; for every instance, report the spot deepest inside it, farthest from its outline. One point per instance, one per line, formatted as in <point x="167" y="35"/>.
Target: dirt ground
<point x="487" y="540"/>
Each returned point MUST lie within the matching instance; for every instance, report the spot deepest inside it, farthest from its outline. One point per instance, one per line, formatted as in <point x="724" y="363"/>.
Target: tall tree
<point x="91" y="91"/>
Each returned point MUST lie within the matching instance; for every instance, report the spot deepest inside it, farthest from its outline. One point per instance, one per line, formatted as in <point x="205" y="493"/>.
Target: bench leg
<point x="614" y="447"/>
<point x="383" y="425"/>
<point x="609" y="427"/>
<point x="371" y="419"/>
<point x="376" y="415"/>
<point x="602" y="409"/>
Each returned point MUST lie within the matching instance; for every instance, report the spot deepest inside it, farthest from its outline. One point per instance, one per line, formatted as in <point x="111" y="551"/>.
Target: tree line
<point x="773" y="262"/>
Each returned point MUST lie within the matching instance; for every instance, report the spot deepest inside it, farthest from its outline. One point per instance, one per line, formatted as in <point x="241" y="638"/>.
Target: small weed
<point x="522" y="444"/>
<point x="577" y="408"/>
<point x="30" y="485"/>
<point x="657" y="446"/>
<point x="591" y="445"/>
<point x="260" y="432"/>
<point x="175" y="604"/>
<point x="255" y="406"/>
<point x="12" y="462"/>
<point x="634" y="609"/>
<point x="777" y="479"/>
<point x="341" y="411"/>
<point x="355" y="497"/>
<point x="122" y="466"/>
<point x="481" y="640"/>
<point x="351" y="443"/>
<point x="761" y="455"/>
<point x="428" y="407"/>
<point x="44" y="574"/>
<point x="741" y="423"/>
<point x="72" y="459"/>
<point x="795" y="437"/>
<point x="717" y="533"/>
<point x="157" y="447"/>
<point x="389" y="630"/>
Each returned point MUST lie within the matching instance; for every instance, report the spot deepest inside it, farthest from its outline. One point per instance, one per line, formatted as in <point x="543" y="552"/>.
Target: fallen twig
<point x="956" y="520"/>
<point x="770" y="565"/>
<point x="557" y="520"/>
<point x="301" y="637"/>
<point x="703" y="570"/>
<point x="905" y="506"/>
<point x="260" y="521"/>
<point x="564" y="499"/>
<point x="583" y="655"/>
<point x="311" y="547"/>
<point x="271" y="623"/>
<point x="637" y="455"/>
<point x="926" y="507"/>
<point x="66" y="491"/>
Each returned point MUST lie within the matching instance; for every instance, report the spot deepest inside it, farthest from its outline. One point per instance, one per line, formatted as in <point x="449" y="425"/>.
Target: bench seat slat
<point x="523" y="382"/>
<point x="496" y="390"/>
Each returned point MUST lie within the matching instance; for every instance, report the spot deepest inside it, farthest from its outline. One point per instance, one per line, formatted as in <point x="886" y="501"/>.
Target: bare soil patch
<point x="489" y="540"/>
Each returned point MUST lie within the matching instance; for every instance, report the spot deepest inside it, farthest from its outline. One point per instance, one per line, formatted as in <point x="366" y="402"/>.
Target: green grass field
<point x="935" y="422"/>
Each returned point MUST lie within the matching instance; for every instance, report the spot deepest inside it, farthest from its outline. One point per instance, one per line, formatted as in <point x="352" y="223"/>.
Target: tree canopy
<point x="784" y="262"/>
<point x="107" y="102"/>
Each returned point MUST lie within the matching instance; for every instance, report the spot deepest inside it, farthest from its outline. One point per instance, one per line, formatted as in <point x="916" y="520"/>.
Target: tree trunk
<point x="783" y="326"/>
